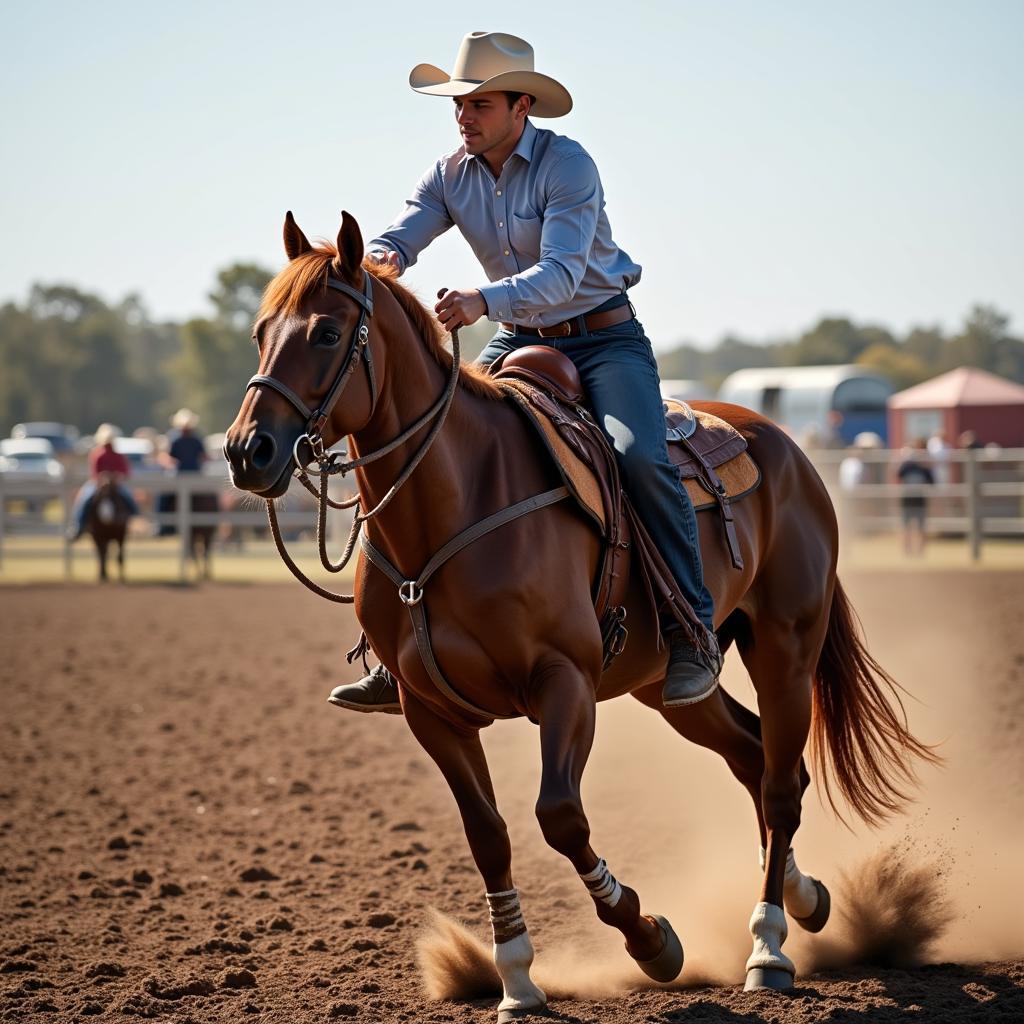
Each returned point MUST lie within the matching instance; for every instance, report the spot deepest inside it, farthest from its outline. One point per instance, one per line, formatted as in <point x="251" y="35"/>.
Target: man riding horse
<point x="531" y="205"/>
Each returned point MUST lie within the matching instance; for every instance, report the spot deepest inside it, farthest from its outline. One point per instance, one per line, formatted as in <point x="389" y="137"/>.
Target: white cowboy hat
<point x="105" y="433"/>
<point x="184" y="419"/>
<point x="494" y="62"/>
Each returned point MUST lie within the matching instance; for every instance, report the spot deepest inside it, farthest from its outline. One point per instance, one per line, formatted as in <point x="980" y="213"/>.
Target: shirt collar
<point x="524" y="147"/>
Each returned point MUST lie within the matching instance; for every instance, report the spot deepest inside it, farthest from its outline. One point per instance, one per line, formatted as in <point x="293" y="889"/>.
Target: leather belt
<point x="571" y="328"/>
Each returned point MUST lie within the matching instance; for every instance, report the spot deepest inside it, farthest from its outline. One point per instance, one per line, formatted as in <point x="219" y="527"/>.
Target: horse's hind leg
<point x="460" y="756"/>
<point x="781" y="662"/>
<point x="565" y="708"/>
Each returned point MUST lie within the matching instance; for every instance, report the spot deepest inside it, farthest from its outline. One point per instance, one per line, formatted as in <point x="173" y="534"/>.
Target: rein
<point x="328" y="463"/>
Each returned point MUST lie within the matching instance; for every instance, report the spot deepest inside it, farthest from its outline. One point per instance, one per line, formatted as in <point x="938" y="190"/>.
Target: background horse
<point x="200" y="539"/>
<point x="345" y="350"/>
<point x="107" y="522"/>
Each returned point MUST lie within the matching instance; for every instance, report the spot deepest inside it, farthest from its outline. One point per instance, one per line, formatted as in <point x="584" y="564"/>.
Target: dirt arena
<point x="189" y="832"/>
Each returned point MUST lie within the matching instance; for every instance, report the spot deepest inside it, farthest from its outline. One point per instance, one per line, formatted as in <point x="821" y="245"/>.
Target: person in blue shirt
<point x="531" y="205"/>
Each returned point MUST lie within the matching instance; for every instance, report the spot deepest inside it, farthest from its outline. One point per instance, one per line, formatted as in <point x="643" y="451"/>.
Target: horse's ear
<point x="350" y="247"/>
<point x="295" y="242"/>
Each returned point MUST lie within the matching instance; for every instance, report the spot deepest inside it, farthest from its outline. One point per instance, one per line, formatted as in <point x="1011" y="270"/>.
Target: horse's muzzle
<point x="260" y="462"/>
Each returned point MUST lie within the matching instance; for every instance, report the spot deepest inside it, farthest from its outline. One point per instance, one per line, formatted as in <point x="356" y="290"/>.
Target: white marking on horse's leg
<point x="799" y="893"/>
<point x="769" y="929"/>
<point x="513" y="953"/>
<point x="601" y="884"/>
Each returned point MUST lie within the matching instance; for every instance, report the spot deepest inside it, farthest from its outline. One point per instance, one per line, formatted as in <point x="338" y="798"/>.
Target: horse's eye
<point x="328" y="337"/>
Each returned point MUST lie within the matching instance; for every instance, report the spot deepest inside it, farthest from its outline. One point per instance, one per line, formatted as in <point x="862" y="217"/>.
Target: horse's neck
<point x="432" y="503"/>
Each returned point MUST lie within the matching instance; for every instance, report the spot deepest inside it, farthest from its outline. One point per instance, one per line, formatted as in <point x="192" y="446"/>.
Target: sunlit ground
<point x="41" y="560"/>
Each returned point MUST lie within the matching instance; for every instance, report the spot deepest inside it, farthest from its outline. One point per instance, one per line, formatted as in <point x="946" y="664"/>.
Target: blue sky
<point x="766" y="162"/>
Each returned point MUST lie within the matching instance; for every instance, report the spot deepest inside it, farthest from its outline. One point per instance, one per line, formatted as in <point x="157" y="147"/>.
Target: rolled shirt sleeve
<point x="424" y="217"/>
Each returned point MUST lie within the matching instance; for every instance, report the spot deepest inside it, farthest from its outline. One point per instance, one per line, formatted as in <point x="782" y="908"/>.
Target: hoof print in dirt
<point x="171" y="889"/>
<point x="281" y="924"/>
<point x="382" y="920"/>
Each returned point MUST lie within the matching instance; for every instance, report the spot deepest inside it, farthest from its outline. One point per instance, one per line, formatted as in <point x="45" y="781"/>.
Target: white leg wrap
<point x="768" y="927"/>
<point x="513" y="953"/>
<point x="601" y="884"/>
<point x="799" y="892"/>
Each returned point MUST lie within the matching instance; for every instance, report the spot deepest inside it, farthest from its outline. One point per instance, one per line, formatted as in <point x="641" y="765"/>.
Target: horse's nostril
<point x="263" y="449"/>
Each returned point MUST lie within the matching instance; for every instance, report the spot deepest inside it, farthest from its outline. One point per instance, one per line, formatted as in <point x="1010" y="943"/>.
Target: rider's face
<point x="486" y="122"/>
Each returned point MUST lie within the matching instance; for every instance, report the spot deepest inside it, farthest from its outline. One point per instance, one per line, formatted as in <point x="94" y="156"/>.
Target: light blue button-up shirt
<point x="539" y="229"/>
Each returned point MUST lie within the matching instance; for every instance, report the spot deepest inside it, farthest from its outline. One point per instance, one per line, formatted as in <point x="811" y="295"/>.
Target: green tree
<point x="903" y="368"/>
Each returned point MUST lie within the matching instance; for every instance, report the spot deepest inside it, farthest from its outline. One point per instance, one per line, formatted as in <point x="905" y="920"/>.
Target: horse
<point x="107" y="522"/>
<point x="511" y="619"/>
<point x="200" y="539"/>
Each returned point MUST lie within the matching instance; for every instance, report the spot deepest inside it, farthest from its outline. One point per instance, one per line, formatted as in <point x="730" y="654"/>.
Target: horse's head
<point x="314" y="381"/>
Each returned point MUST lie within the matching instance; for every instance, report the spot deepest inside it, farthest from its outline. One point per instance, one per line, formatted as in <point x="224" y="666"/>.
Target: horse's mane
<point x="306" y="274"/>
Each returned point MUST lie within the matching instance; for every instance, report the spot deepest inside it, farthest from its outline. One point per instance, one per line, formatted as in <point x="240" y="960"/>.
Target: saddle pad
<point x="716" y="440"/>
<point x="740" y="474"/>
<point x="577" y="476"/>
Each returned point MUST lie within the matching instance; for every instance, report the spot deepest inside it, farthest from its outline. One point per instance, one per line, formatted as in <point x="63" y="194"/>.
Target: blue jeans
<point x="80" y="509"/>
<point x="621" y="381"/>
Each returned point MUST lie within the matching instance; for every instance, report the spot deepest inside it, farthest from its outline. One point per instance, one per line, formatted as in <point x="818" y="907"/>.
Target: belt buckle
<point x="562" y="330"/>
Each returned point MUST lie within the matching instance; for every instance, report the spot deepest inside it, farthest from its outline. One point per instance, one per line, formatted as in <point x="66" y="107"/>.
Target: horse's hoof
<point x="518" y="1013"/>
<point x="816" y="921"/>
<point x="768" y="977"/>
<point x="668" y="963"/>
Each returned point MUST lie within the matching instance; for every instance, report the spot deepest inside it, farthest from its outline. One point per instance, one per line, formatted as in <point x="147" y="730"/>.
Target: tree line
<point x="69" y="356"/>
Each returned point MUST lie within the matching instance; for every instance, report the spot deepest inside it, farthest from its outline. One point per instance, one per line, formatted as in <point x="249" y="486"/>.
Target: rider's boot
<point x="692" y="673"/>
<point x="376" y="692"/>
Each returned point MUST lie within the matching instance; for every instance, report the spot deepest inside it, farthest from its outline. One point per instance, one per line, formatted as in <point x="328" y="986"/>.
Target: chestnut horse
<point x="107" y="522"/>
<point x="512" y="624"/>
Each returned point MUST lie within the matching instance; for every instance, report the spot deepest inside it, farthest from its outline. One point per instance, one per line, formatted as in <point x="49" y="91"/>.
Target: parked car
<point x="139" y="452"/>
<point x="62" y="436"/>
<point x="33" y="456"/>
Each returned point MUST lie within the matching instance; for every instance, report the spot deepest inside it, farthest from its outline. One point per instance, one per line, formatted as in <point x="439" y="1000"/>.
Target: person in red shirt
<point x="102" y="459"/>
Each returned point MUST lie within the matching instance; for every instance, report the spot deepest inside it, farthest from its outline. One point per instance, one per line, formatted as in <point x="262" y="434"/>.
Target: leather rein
<point x="332" y="463"/>
<point x="410" y="591"/>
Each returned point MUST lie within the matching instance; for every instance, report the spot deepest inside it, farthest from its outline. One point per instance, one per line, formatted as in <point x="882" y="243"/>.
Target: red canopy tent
<point x="963" y="399"/>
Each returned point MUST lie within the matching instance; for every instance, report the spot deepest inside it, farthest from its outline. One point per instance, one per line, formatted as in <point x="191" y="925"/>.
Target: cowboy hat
<point x="184" y="419"/>
<point x="494" y="62"/>
<point x="105" y="433"/>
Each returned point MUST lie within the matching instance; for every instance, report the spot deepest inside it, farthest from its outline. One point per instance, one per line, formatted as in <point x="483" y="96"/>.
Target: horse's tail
<point x="858" y="733"/>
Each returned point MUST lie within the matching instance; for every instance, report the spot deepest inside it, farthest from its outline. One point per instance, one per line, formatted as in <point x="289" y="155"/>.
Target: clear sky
<point x="766" y="161"/>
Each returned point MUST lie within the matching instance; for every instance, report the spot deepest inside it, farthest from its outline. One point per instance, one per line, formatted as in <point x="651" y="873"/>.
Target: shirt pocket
<point x="524" y="233"/>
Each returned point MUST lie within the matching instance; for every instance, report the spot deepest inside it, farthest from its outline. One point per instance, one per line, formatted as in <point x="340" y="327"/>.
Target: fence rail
<point x="977" y="494"/>
<point x="39" y="489"/>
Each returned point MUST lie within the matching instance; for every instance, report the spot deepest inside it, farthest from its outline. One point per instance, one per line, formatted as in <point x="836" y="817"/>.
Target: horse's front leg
<point x="565" y="707"/>
<point x="460" y="756"/>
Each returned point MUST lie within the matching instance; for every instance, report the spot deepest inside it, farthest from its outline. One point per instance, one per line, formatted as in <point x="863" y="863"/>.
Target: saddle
<point x="710" y="454"/>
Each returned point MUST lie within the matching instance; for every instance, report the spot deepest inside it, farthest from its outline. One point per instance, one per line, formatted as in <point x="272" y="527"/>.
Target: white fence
<point x="31" y="492"/>
<point x="977" y="494"/>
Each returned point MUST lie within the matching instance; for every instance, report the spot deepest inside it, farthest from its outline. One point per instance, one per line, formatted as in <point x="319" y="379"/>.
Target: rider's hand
<point x="389" y="258"/>
<point x="460" y="309"/>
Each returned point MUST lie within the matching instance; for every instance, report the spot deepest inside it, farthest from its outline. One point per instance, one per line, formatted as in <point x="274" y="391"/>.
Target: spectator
<point x="914" y="472"/>
<point x="939" y="453"/>
<point x="186" y="453"/>
<point x="102" y="459"/>
<point x="969" y="440"/>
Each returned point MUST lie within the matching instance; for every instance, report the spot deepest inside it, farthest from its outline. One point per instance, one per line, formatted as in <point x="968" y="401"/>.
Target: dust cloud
<point x="939" y="883"/>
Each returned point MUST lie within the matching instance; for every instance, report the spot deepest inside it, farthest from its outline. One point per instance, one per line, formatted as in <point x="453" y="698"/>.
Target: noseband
<point x="328" y="463"/>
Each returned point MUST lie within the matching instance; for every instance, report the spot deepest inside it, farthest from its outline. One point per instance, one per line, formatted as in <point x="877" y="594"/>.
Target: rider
<point x="102" y="459"/>
<point x="531" y="205"/>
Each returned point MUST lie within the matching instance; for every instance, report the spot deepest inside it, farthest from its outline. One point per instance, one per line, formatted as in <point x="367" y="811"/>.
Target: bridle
<point x="316" y="419"/>
<point x="332" y="463"/>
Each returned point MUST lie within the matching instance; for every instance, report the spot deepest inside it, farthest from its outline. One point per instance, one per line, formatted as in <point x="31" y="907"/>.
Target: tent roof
<point x="963" y="386"/>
